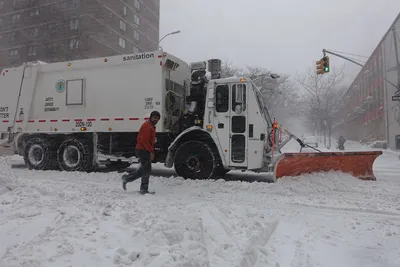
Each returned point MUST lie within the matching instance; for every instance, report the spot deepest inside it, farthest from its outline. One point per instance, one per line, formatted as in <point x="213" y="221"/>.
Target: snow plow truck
<point x="79" y="115"/>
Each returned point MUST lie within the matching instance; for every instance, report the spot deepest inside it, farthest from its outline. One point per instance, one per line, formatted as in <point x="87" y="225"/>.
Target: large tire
<point x="75" y="154"/>
<point x="40" y="154"/>
<point x="196" y="160"/>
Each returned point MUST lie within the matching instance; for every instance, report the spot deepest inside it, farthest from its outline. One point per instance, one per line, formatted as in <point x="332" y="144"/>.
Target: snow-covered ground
<point x="79" y="219"/>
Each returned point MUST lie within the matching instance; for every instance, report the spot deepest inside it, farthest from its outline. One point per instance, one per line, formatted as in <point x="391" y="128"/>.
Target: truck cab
<point x="236" y="118"/>
<point x="232" y="130"/>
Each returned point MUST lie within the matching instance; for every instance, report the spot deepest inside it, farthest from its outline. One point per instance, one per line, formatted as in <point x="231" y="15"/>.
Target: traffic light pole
<point x="377" y="73"/>
<point x="348" y="59"/>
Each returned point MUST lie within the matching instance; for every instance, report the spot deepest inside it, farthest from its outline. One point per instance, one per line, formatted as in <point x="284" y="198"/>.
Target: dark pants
<point x="143" y="171"/>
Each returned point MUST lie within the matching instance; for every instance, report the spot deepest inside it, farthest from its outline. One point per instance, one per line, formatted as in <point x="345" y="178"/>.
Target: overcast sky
<point x="284" y="36"/>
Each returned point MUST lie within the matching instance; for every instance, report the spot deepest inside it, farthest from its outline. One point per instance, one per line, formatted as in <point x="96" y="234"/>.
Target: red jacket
<point x="146" y="137"/>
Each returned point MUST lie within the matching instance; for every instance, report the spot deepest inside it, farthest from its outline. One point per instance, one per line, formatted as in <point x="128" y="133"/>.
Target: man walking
<point x="145" y="152"/>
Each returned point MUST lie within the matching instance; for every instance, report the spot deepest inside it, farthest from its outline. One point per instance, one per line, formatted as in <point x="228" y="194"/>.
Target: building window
<point x="136" y="19"/>
<point x="32" y="51"/>
<point x="33" y="33"/>
<point x="137" y="4"/>
<point x="124" y="10"/>
<point x="122" y="42"/>
<point x="34" y="12"/>
<point x="136" y="35"/>
<point x="14" y="52"/>
<point x="1" y="5"/>
<point x="15" y="18"/>
<point x="398" y="142"/>
<point x="52" y="28"/>
<point x="122" y="25"/>
<point x="74" y="24"/>
<point x="13" y="37"/>
<point x="135" y="50"/>
<point x="73" y="44"/>
<point x="74" y="3"/>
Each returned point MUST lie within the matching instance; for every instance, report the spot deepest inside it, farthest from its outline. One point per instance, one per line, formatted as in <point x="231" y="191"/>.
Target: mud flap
<point x="357" y="164"/>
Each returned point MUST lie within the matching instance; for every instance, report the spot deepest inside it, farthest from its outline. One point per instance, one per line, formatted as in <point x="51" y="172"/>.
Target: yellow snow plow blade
<point x="358" y="164"/>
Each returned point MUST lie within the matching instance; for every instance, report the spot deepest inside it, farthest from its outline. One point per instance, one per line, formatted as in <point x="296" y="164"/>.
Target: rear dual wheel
<point x="73" y="154"/>
<point x="41" y="154"/>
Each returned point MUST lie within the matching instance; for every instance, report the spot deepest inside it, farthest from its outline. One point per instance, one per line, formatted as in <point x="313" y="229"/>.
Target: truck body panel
<point x="98" y="95"/>
<point x="10" y="83"/>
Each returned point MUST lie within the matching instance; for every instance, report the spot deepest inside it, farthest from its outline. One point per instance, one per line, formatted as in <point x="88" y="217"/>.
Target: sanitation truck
<point x="78" y="115"/>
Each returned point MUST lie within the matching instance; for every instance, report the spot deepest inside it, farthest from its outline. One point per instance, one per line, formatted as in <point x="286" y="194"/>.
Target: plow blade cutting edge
<point x="357" y="164"/>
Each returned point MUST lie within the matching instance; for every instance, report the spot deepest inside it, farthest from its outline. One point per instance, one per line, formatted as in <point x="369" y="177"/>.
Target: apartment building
<point x="370" y="113"/>
<point x="364" y="102"/>
<point x="62" y="30"/>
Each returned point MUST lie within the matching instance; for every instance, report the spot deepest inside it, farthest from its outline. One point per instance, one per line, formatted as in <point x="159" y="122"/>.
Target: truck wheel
<point x="195" y="160"/>
<point x="75" y="155"/>
<point x="40" y="154"/>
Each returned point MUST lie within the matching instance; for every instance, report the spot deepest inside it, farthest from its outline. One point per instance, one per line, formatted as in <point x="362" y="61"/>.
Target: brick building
<point x="60" y="30"/>
<point x="364" y="102"/>
<point x="369" y="113"/>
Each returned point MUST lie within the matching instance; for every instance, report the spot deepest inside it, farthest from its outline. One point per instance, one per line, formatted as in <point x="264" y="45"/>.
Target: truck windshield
<point x="262" y="106"/>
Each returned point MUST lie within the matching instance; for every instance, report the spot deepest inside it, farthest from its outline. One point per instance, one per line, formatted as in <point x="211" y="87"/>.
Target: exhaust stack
<point x="214" y="67"/>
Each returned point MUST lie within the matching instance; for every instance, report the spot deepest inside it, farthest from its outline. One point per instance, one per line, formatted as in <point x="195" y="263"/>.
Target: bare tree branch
<point x="322" y="98"/>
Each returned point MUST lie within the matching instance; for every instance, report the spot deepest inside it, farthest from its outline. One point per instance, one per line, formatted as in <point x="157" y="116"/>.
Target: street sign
<point x="396" y="98"/>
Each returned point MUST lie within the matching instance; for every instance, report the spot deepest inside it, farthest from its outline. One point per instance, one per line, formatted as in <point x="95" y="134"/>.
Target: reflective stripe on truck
<point x="77" y="120"/>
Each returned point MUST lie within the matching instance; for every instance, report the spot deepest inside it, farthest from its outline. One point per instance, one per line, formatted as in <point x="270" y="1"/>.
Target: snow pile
<point x="7" y="180"/>
<point x="80" y="219"/>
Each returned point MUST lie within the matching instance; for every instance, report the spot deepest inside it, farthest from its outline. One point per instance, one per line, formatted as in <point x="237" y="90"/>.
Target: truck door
<point x="238" y="130"/>
<point x="222" y="118"/>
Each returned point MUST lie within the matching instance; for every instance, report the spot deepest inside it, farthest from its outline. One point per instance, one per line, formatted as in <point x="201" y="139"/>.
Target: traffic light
<point x="326" y="64"/>
<point x="323" y="65"/>
<point x="320" y="67"/>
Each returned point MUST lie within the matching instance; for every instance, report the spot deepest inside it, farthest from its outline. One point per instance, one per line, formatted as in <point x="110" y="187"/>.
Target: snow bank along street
<point x="79" y="219"/>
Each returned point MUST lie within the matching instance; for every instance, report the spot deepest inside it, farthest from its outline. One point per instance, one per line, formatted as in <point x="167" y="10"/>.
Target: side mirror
<point x="239" y="109"/>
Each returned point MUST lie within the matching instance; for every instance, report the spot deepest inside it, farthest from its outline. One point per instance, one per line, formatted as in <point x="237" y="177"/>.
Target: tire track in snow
<point x="219" y="237"/>
<point x="300" y="258"/>
<point x="259" y="240"/>
<point x="251" y="203"/>
<point x="380" y="213"/>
